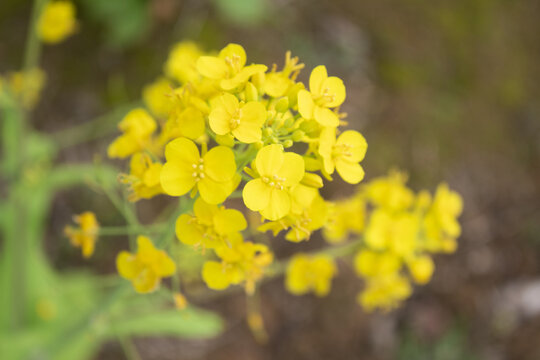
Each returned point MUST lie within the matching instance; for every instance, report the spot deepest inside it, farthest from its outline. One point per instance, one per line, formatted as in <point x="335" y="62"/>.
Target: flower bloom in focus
<point x="279" y="171"/>
<point x="212" y="174"/>
<point x="85" y="236"/>
<point x="57" y="22"/>
<point x="147" y="267"/>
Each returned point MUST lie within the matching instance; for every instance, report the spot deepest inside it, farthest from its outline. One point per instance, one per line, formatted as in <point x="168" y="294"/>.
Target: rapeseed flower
<point x="57" y="22"/>
<point x="84" y="236"/>
<point x="137" y="127"/>
<point x="325" y="93"/>
<point x="147" y="267"/>
<point x="244" y="121"/>
<point x="211" y="174"/>
<point x="180" y="64"/>
<point x="278" y="171"/>
<point x="310" y="273"/>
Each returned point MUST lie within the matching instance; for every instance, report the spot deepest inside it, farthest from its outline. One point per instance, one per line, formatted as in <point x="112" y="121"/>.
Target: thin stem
<point x="129" y="348"/>
<point x="33" y="44"/>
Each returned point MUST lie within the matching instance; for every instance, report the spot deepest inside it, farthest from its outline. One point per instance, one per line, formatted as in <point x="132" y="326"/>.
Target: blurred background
<point x="444" y="90"/>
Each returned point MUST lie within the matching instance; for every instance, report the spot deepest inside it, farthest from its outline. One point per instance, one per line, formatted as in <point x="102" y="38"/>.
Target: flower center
<point x="342" y="150"/>
<point x="198" y="170"/>
<point x="234" y="122"/>
<point x="274" y="181"/>
<point x="325" y="97"/>
<point x="234" y="62"/>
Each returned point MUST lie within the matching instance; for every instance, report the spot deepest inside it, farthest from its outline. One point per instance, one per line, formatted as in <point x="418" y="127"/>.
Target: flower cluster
<point x="215" y="128"/>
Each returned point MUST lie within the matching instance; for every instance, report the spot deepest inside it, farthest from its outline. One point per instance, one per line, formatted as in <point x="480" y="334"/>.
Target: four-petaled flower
<point x="212" y="174"/>
<point x="147" y="267"/>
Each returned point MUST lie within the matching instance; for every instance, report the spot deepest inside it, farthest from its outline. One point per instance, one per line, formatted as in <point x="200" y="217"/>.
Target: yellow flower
<point x="180" y="301"/>
<point x="211" y="226"/>
<point x="396" y="232"/>
<point x="147" y="267"/>
<point x="183" y="122"/>
<point x="343" y="154"/>
<point x="137" y="127"/>
<point x="277" y="84"/>
<point x="421" y="268"/>
<point x="244" y="121"/>
<point x="212" y="174"/>
<point x="228" y="67"/>
<point x="310" y="273"/>
<point x="57" y="22"/>
<point x="373" y="264"/>
<point x="180" y="64"/>
<point x="26" y="86"/>
<point x="85" y="236"/>
<point x="278" y="171"/>
<point x="345" y="217"/>
<point x="325" y="93"/>
<point x="390" y="192"/>
<point x="240" y="262"/>
<point x="157" y="97"/>
<point x="143" y="179"/>
<point x="385" y="292"/>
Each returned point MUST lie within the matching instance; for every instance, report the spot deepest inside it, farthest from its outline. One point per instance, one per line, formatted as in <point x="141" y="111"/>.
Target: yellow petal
<point x="147" y="281"/>
<point x="325" y="116"/>
<point x="187" y="231"/>
<point x="204" y="211"/>
<point x="229" y="221"/>
<point x="350" y="172"/>
<point x="278" y="206"/>
<point x="182" y="150"/>
<point x="127" y="265"/>
<point x="357" y="145"/>
<point x="191" y="123"/>
<point x="337" y="89"/>
<point x="214" y="192"/>
<point x="229" y="102"/>
<point x="256" y="194"/>
<point x="269" y="159"/>
<point x="214" y="275"/>
<point x="305" y="104"/>
<point x="316" y="79"/>
<point x="248" y="133"/>
<point x="220" y="120"/>
<point x="212" y="67"/>
<point x="292" y="169"/>
<point x="253" y="112"/>
<point x="235" y="53"/>
<point x="219" y="164"/>
<point x="177" y="179"/>
<point x="164" y="266"/>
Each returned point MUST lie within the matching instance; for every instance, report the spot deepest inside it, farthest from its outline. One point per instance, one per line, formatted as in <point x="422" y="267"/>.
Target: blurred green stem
<point x="33" y="44"/>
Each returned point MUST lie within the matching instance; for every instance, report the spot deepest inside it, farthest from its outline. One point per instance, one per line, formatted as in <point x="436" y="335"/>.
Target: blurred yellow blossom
<point x="137" y="127"/>
<point x="180" y="64"/>
<point x="57" y="22"/>
<point x="310" y="273"/>
<point x="84" y="236"/>
<point x="147" y="267"/>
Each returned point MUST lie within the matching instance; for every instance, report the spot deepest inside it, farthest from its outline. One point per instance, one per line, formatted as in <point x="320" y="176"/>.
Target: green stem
<point x="33" y="44"/>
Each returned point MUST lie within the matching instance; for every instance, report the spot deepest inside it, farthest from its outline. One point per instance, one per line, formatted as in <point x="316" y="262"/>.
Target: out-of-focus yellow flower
<point x="180" y="301"/>
<point x="310" y="273"/>
<point x="147" y="267"/>
<point x="244" y="121"/>
<point x="373" y="264"/>
<point x="57" y="22"/>
<point x="240" y="262"/>
<point x="441" y="225"/>
<point x="212" y="174"/>
<point x="211" y="226"/>
<point x="183" y="122"/>
<point x="228" y="67"/>
<point x="390" y="192"/>
<point x="421" y="268"/>
<point x="278" y="171"/>
<point x="385" y="292"/>
<point x="180" y="64"/>
<point x="325" y="93"/>
<point x="26" y="86"/>
<point x="84" y="236"/>
<point x="343" y="154"/>
<point x="143" y="179"/>
<point x="157" y="97"/>
<point x="137" y="127"/>
<point x="395" y="232"/>
<point x="345" y="217"/>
